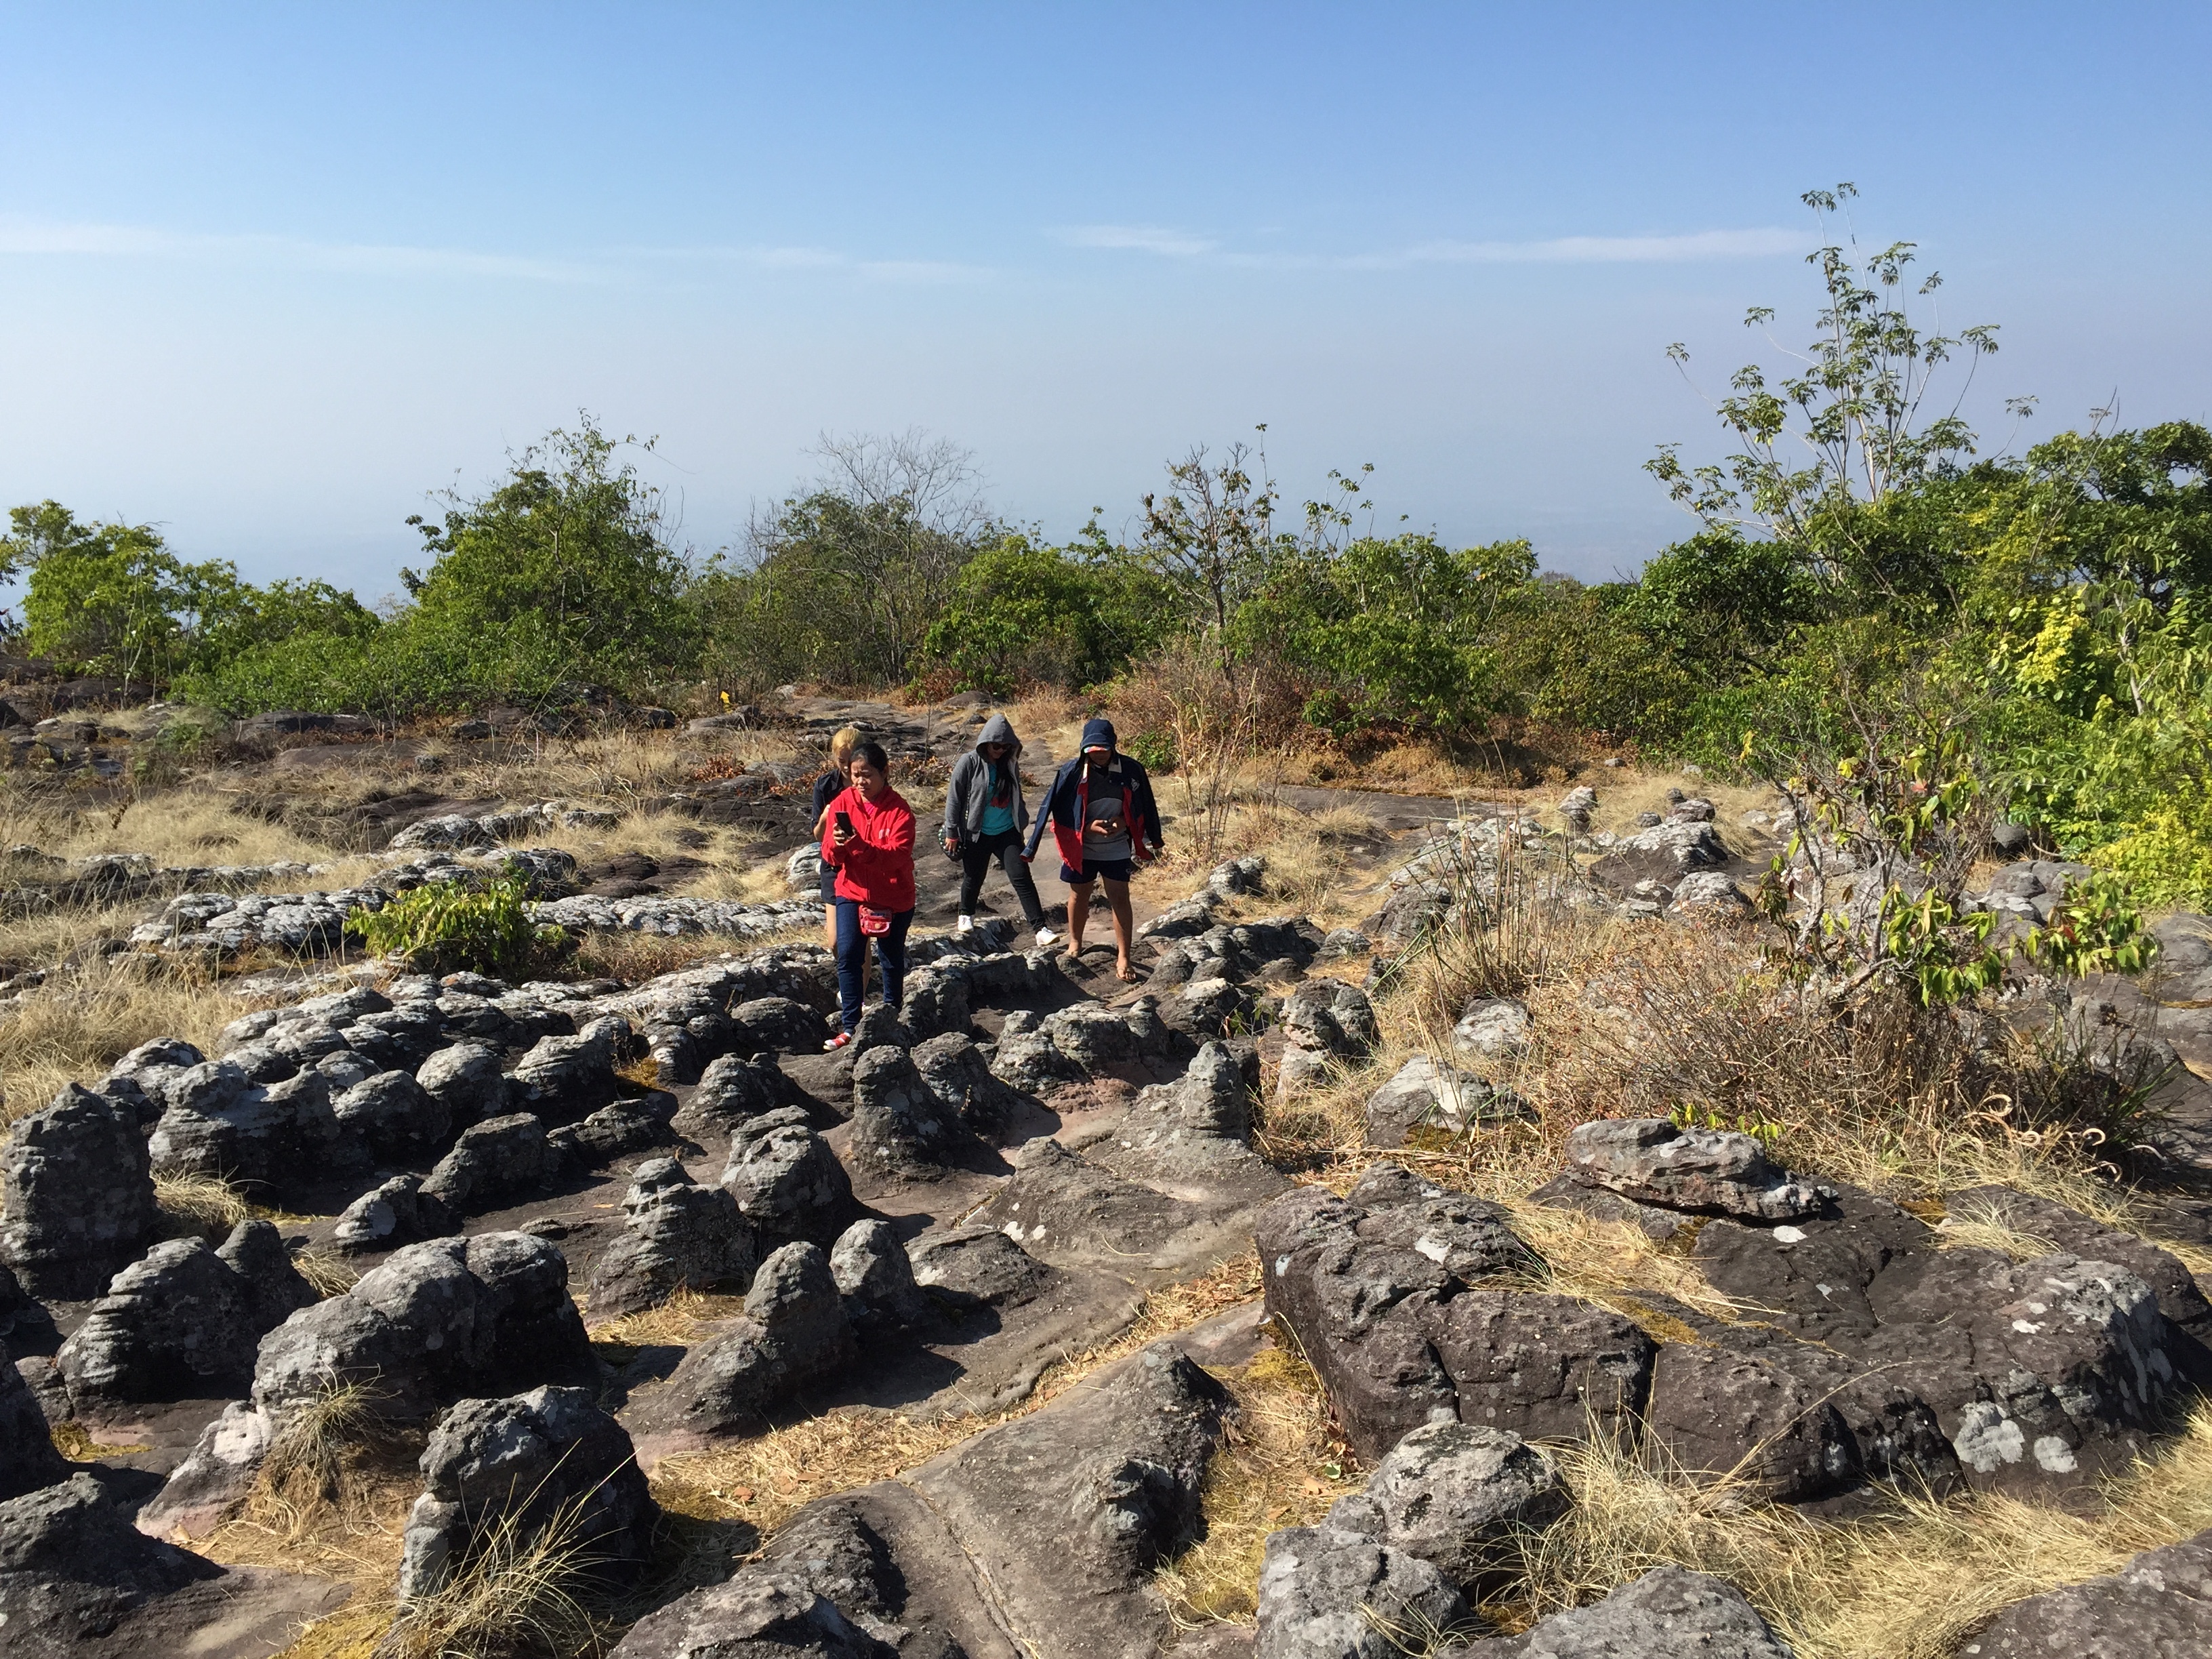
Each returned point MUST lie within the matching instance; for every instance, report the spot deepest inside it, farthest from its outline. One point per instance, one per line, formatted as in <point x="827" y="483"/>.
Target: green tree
<point x="1074" y="617"/>
<point x="1397" y="631"/>
<point x="111" y="599"/>
<point x="563" y="573"/>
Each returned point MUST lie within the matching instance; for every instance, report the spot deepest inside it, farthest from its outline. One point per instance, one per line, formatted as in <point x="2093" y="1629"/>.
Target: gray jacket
<point x="968" y="791"/>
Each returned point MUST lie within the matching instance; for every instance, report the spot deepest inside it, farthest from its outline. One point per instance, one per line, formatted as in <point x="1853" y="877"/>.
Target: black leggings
<point x="975" y="858"/>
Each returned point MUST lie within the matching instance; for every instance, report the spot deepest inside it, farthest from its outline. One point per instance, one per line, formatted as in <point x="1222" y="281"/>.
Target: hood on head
<point x="1097" y="732"/>
<point x="998" y="729"/>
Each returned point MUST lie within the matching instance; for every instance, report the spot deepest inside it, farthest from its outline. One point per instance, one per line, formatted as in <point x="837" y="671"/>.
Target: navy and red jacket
<point x="1066" y="802"/>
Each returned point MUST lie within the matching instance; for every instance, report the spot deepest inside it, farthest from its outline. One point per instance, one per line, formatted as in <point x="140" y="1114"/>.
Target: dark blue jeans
<point x="853" y="960"/>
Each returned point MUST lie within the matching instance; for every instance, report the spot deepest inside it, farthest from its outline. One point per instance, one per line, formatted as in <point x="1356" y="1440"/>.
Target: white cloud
<point x="31" y="237"/>
<point x="1144" y="239"/>
<point x="1561" y="250"/>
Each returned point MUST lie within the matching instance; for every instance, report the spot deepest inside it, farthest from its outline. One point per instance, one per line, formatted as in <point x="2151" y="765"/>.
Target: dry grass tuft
<point x="676" y="1320"/>
<point x="1914" y="1585"/>
<point x="515" y="1598"/>
<point x="327" y="1272"/>
<point x="206" y="1205"/>
<point x="617" y="953"/>
<point x="765" y="1480"/>
<point x="74" y="1442"/>
<point x="1282" y="1465"/>
<point x="77" y="1025"/>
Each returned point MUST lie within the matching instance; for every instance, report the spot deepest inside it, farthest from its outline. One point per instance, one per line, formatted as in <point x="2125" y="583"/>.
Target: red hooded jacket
<point x="876" y="867"/>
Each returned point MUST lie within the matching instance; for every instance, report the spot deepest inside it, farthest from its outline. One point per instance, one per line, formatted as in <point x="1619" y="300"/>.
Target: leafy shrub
<point x="1073" y="617"/>
<point x="448" y="927"/>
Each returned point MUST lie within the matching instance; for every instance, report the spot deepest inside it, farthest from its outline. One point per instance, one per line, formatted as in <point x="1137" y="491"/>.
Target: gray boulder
<point x="1732" y="1415"/>
<point x="1327" y="1594"/>
<point x="436" y="1322"/>
<point x="1422" y="1095"/>
<point x="276" y="1135"/>
<point x="173" y="1325"/>
<point x="510" y="1467"/>
<point x="732" y="1089"/>
<point x="900" y="1130"/>
<point x="1324" y="1020"/>
<point x="1708" y="896"/>
<point x="794" y="1331"/>
<point x="393" y="1115"/>
<point x="493" y="1162"/>
<point x="388" y="1216"/>
<point x="954" y="1070"/>
<point x="467" y="1079"/>
<point x="2157" y="1606"/>
<point x="1655" y="1162"/>
<point x="1118" y="1464"/>
<point x="763" y="1612"/>
<point x="76" y="1195"/>
<point x="274" y="1288"/>
<point x="779" y="1024"/>
<point x="1457" y="1496"/>
<point x="1382" y="1292"/>
<point x="1670" y="1614"/>
<point x="27" y="1457"/>
<point x="72" y="1567"/>
<point x="1492" y="1028"/>
<point x="978" y="1266"/>
<point x="616" y="1131"/>
<point x="936" y="1002"/>
<point x="875" y="1279"/>
<point x="562" y="1079"/>
<point x="676" y="1235"/>
<point x="789" y="1184"/>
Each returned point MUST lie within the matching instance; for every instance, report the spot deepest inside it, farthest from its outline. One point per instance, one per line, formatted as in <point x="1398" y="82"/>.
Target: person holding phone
<point x="827" y="787"/>
<point x="1105" y="823"/>
<point x="870" y="844"/>
<point x="984" y="817"/>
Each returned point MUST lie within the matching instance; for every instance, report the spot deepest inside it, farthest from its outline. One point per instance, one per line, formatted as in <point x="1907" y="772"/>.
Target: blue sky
<point x="270" y="274"/>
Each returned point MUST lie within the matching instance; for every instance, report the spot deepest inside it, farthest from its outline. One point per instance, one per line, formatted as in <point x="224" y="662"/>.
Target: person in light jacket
<point x="870" y="842"/>
<point x="984" y="817"/>
<point x="1105" y="823"/>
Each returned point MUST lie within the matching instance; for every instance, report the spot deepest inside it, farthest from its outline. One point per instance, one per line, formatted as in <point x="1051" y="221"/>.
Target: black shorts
<point x="829" y="883"/>
<point x="1121" y="870"/>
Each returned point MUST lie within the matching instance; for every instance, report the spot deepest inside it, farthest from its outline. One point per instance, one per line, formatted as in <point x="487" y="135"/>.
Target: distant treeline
<point x="1863" y="585"/>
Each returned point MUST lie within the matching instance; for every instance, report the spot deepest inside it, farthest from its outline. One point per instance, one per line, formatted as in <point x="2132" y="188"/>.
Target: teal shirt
<point x="999" y="810"/>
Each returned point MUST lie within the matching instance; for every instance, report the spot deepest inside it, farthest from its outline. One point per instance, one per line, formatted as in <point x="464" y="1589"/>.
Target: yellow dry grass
<point x="76" y="1025"/>
<point x="676" y="1320"/>
<point x="74" y="1442"/>
<point x="1913" y="1584"/>
<point x="1282" y="1464"/>
<point x="766" y="1481"/>
<point x="194" y="824"/>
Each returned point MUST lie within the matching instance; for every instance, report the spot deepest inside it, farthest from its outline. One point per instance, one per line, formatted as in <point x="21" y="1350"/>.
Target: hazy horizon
<point x="272" y="277"/>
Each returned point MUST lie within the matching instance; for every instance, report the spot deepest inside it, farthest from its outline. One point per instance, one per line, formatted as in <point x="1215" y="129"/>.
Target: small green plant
<point x="448" y="927"/>
<point x="2095" y="929"/>
<point x="1763" y="1130"/>
<point x="1153" y="751"/>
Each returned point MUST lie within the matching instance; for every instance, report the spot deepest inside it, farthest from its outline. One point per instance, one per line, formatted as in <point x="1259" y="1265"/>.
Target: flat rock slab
<point x="249" y="1613"/>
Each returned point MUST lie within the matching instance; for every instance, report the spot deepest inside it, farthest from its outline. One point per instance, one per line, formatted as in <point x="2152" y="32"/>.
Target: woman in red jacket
<point x="869" y="842"/>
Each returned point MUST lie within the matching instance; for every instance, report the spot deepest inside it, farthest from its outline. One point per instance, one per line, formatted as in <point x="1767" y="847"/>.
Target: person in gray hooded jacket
<point x="984" y="817"/>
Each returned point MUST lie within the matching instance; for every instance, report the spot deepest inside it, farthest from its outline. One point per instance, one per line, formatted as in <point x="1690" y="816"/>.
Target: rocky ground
<point x="1252" y="1305"/>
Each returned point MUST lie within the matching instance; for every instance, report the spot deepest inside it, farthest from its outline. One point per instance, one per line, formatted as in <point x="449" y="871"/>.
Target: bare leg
<point x="1117" y="900"/>
<point x="1078" y="912"/>
<point x="830" y="928"/>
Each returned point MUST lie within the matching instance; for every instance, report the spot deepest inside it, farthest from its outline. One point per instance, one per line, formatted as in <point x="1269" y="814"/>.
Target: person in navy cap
<point x="1105" y="823"/>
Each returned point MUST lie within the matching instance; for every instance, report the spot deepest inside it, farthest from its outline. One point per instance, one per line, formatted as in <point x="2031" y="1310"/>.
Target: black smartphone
<point x="845" y="823"/>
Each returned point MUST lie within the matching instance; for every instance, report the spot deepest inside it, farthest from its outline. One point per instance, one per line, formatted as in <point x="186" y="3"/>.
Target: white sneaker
<point x="1046" y="936"/>
<point x="965" y="925"/>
